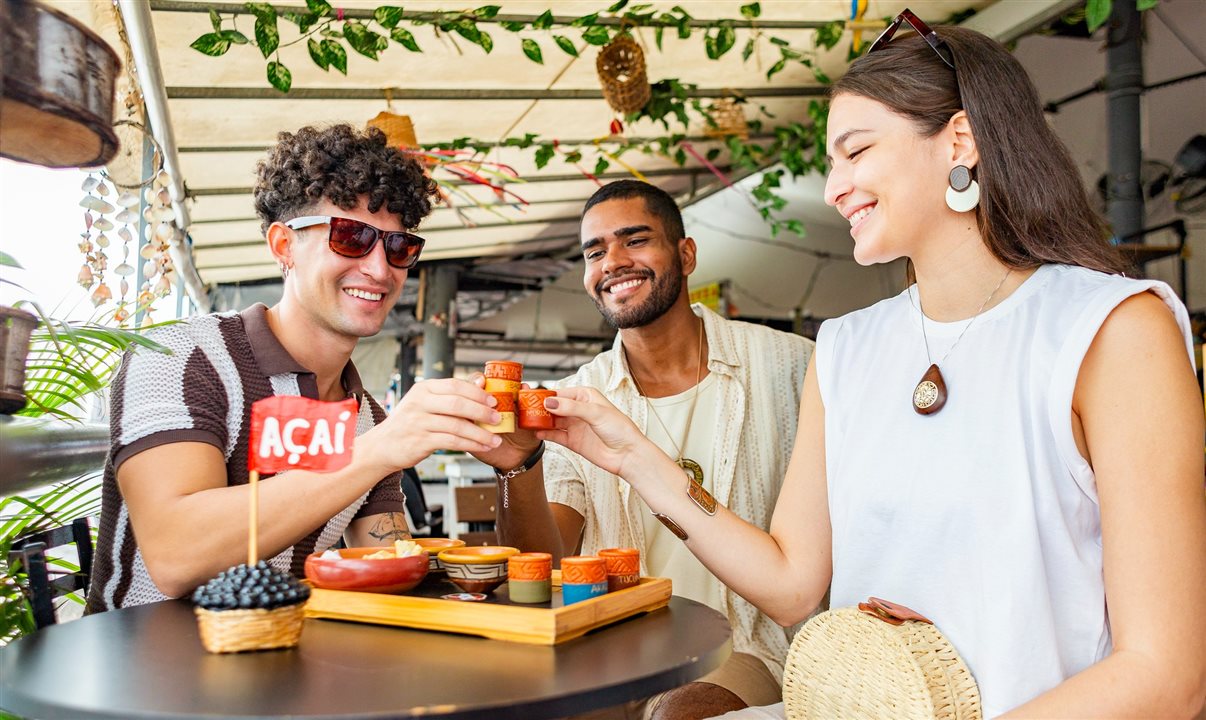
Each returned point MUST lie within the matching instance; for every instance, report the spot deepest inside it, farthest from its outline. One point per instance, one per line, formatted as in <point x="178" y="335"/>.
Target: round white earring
<point x="963" y="193"/>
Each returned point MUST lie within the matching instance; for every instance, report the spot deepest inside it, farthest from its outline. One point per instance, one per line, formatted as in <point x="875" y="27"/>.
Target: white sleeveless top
<point x="984" y="516"/>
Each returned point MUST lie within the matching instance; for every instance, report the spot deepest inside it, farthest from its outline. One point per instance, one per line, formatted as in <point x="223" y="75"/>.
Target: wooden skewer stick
<point x="252" y="548"/>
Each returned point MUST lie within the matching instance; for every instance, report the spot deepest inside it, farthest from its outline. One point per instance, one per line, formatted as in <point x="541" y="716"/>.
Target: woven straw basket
<point x="848" y="664"/>
<point x="399" y="130"/>
<point x="729" y="118"/>
<point x="226" y="631"/>
<point x="621" y="68"/>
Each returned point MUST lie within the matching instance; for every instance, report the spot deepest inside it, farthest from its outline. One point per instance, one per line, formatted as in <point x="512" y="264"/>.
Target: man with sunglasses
<point x="336" y="207"/>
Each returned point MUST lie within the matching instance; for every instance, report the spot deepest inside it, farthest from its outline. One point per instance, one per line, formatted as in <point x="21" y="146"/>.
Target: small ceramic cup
<point x="504" y="370"/>
<point x="494" y="385"/>
<point x="529" y="577"/>
<point x="506" y="411"/>
<point x="433" y="546"/>
<point x="479" y="568"/>
<point x="532" y="414"/>
<point x="582" y="578"/>
<point x="623" y="567"/>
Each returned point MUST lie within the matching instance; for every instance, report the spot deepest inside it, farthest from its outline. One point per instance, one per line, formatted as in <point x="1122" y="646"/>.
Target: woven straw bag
<point x="880" y="660"/>
<point x="621" y="68"/>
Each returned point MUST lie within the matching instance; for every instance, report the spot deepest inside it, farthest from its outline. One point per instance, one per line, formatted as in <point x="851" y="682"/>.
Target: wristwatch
<point x="523" y="467"/>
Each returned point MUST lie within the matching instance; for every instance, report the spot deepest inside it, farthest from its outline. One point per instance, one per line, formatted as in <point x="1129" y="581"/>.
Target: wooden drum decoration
<point x="621" y="68"/>
<point x="58" y="80"/>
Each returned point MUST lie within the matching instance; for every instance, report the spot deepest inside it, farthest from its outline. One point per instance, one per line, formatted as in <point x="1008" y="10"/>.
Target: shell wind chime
<point x="159" y="230"/>
<point x="158" y="271"/>
<point x="92" y="273"/>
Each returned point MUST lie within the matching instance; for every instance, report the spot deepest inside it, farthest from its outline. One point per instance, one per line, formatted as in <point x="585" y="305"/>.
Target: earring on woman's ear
<point x="963" y="195"/>
<point x="284" y="269"/>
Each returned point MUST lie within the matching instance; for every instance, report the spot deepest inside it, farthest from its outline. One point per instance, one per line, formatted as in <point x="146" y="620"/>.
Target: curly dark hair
<point x="341" y="164"/>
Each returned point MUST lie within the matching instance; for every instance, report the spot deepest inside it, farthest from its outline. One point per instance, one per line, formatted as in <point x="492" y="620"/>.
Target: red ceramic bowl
<point x="353" y="572"/>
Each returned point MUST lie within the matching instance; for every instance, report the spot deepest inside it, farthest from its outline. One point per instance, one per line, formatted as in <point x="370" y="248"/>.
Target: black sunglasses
<point x="354" y="239"/>
<point x="925" y="31"/>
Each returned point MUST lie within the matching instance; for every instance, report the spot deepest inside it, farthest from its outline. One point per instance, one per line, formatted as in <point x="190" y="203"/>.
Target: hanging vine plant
<point x="329" y="33"/>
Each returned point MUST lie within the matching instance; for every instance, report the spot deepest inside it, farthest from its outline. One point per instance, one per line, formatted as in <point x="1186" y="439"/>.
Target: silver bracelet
<point x="526" y="465"/>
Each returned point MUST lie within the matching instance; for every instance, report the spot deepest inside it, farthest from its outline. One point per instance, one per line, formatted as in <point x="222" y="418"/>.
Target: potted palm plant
<point x="15" y="328"/>
<point x="66" y="363"/>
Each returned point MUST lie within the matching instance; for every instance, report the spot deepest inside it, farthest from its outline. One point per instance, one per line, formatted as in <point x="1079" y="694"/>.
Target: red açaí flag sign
<point x="290" y="432"/>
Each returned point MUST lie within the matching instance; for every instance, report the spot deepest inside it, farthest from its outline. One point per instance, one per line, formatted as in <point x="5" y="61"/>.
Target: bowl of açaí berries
<point x="254" y="607"/>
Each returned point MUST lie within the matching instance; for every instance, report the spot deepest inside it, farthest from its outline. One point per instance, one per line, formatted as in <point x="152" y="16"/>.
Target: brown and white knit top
<point x="203" y="392"/>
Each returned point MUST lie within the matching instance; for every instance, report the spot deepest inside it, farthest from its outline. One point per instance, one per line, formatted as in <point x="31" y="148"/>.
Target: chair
<point x="45" y="581"/>
<point x="477" y="505"/>
<point x="428" y="520"/>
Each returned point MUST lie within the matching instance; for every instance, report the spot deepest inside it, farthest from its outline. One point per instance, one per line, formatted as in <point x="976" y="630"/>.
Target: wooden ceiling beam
<point x="367" y="14"/>
<point x="568" y="143"/>
<point x="536" y="178"/>
<point x="204" y="92"/>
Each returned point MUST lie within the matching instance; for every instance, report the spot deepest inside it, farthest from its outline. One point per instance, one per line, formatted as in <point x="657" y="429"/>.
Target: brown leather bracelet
<point x="671" y="526"/>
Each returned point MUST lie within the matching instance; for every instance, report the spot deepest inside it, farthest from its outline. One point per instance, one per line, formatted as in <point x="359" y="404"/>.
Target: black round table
<point x="148" y="662"/>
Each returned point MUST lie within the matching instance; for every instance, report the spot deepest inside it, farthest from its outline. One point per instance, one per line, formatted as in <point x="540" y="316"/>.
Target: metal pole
<point x="136" y="14"/>
<point x="1124" y="83"/>
<point x="439" y="321"/>
<point x="406" y="366"/>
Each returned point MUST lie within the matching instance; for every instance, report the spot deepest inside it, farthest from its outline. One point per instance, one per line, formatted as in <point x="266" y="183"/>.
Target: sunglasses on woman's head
<point x="925" y="31"/>
<point x="354" y="239"/>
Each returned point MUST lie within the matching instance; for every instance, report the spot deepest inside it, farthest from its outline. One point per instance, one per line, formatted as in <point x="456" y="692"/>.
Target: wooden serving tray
<point x="496" y="617"/>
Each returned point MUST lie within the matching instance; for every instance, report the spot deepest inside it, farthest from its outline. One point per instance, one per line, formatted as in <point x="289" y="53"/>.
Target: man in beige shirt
<point x="718" y="395"/>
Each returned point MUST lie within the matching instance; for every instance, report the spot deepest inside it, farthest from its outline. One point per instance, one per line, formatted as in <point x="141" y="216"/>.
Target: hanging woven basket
<point x="399" y="130"/>
<point x="621" y="68"/>
<point x="729" y="118"/>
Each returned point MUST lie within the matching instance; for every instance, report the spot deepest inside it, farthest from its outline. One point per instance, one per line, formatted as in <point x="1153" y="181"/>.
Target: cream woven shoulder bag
<point x="879" y="660"/>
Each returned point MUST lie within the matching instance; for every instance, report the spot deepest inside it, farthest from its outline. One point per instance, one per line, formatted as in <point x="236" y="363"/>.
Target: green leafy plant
<point x="68" y="362"/>
<point x="21" y="516"/>
<point x="799" y="146"/>
<point x="328" y="33"/>
<point x="672" y="103"/>
<point x="1097" y="12"/>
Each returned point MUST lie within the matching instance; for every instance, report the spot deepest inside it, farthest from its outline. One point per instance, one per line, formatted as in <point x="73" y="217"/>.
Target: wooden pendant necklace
<point x="930" y="394"/>
<point x="690" y="467"/>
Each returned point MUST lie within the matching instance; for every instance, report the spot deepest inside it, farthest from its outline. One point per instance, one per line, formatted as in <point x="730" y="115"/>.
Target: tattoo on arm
<point x="389" y="527"/>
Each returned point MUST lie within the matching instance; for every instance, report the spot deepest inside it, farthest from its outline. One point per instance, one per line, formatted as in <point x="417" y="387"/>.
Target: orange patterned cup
<point x="583" y="570"/>
<point x="506" y="409"/>
<point x="530" y="566"/>
<point x="582" y="578"/>
<point x="532" y="415"/>
<point x="623" y="567"/>
<point x="529" y="577"/>
<point x="494" y="385"/>
<point x="504" y="370"/>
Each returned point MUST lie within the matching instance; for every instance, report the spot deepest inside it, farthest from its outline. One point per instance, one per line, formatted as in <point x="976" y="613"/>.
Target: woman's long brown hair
<point x="1033" y="206"/>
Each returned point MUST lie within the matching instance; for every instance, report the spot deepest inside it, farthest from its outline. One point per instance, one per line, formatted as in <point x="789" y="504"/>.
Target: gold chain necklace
<point x="930" y="394"/>
<point x="689" y="466"/>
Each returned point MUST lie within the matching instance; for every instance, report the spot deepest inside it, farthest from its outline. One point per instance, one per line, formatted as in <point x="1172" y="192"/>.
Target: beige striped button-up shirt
<point x="761" y="372"/>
